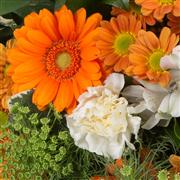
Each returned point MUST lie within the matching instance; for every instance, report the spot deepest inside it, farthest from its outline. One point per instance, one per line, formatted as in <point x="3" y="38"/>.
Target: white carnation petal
<point x="134" y="124"/>
<point x="115" y="82"/>
<point x="151" y="122"/>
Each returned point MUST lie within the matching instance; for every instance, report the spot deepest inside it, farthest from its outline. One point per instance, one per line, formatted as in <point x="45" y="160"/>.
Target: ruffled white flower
<point x="101" y="122"/>
<point x="159" y="104"/>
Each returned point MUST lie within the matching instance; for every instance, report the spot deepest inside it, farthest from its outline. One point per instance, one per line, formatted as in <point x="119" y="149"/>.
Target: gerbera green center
<point x="63" y="60"/>
<point x="154" y="60"/>
<point x="122" y="43"/>
<point x="166" y="1"/>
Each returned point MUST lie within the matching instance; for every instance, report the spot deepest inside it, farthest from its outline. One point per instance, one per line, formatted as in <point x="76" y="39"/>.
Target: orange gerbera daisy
<point x="174" y="23"/>
<point x="146" y="53"/>
<point x="5" y="81"/>
<point x="136" y="11"/>
<point x="56" y="55"/>
<point x="114" y="39"/>
<point x="159" y="8"/>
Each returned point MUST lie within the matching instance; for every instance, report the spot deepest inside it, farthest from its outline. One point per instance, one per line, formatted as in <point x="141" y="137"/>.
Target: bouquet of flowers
<point x="90" y="90"/>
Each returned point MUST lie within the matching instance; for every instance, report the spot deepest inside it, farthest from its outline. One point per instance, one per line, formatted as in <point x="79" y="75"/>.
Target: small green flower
<point x="26" y="130"/>
<point x="126" y="170"/>
<point x="24" y="110"/>
<point x="63" y="135"/>
<point x="163" y="175"/>
<point x="17" y="126"/>
<point x="44" y="121"/>
<point x="52" y="147"/>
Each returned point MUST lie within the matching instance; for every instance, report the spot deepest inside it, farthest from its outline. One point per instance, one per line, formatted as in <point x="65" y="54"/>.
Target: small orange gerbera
<point x="5" y="81"/>
<point x="175" y="162"/>
<point x="56" y="55"/>
<point x="136" y="11"/>
<point x="174" y="23"/>
<point x="114" y="39"/>
<point x="159" y="8"/>
<point x="146" y="53"/>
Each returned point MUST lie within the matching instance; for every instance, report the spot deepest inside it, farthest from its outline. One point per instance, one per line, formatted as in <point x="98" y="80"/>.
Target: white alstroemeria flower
<point x="161" y="104"/>
<point x="101" y="122"/>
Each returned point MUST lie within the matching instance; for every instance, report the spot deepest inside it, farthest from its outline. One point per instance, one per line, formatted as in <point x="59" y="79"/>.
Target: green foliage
<point x="39" y="145"/>
<point x="177" y="128"/>
<point x="124" y="4"/>
<point x="9" y="6"/>
<point x="3" y="118"/>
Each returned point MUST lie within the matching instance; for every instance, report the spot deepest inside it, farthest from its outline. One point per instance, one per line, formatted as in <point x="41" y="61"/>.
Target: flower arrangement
<point x="90" y="90"/>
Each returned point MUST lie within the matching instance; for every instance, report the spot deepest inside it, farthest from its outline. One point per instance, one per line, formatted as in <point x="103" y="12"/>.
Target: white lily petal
<point x="115" y="82"/>
<point x="151" y="122"/>
<point x="153" y="99"/>
<point x="171" y="104"/>
<point x="152" y="87"/>
<point x="137" y="108"/>
<point x="164" y="119"/>
<point x="170" y="62"/>
<point x="133" y="93"/>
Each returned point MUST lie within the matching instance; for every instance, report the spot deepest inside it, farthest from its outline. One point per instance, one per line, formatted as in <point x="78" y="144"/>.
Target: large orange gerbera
<point x="114" y="39"/>
<point x="174" y="23"/>
<point x="136" y="11"/>
<point x="159" y="8"/>
<point x="146" y="53"/>
<point x="56" y="55"/>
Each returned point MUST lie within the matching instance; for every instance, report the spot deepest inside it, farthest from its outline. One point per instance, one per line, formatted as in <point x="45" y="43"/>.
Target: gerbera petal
<point x="65" y="23"/>
<point x="89" y="53"/>
<point x="90" y="66"/>
<point x="39" y="38"/>
<point x="164" y="37"/>
<point x="82" y="81"/>
<point x="29" y="84"/>
<point x="91" y="23"/>
<point x="32" y="21"/>
<point x="80" y="19"/>
<point x="43" y="95"/>
<point x="64" y="96"/>
<point x="26" y="67"/>
<point x="49" y="24"/>
<point x="28" y="47"/>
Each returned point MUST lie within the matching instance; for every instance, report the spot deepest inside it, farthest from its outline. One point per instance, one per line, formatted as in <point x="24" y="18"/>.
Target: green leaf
<point x="7" y="6"/>
<point x="177" y="128"/>
<point x="124" y="4"/>
<point x="59" y="3"/>
<point x="3" y="118"/>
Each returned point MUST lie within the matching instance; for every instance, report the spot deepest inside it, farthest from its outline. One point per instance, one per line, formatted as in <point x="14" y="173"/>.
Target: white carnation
<point x="101" y="122"/>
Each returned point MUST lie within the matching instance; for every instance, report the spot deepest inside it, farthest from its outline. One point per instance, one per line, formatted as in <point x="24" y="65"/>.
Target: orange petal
<point x="90" y="66"/>
<point x="64" y="96"/>
<point x="91" y="23"/>
<point x="29" y="48"/>
<point x="39" y="38"/>
<point x="89" y="53"/>
<point x="30" y="67"/>
<point x="32" y="21"/>
<point x="65" y="23"/>
<point x="76" y="89"/>
<point x="30" y="84"/>
<point x="72" y="106"/>
<point x="164" y="37"/>
<point x="80" y="19"/>
<point x="49" y="24"/>
<point x="45" y="91"/>
<point x="83" y="81"/>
